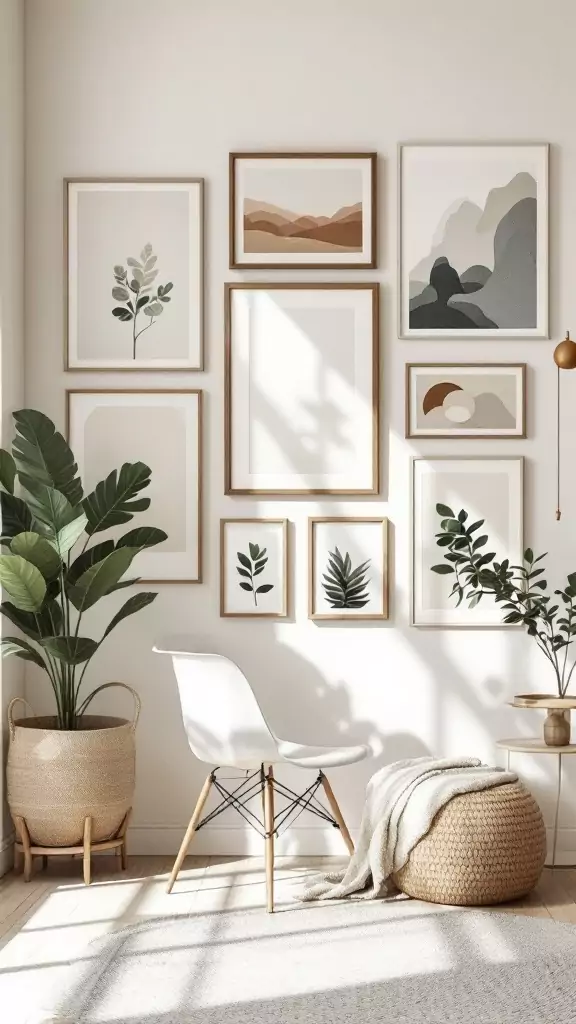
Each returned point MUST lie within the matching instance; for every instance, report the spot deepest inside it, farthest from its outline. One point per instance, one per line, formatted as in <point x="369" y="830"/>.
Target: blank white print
<point x="487" y="488"/>
<point x="302" y="390"/>
<point x="253" y="568"/>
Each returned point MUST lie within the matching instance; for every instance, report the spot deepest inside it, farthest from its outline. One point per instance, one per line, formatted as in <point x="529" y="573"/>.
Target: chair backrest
<point x="223" y="720"/>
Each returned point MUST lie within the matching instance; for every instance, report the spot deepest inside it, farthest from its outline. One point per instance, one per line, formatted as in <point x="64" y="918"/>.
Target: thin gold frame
<point x="201" y="239"/>
<point x="368" y="265"/>
<point x="410" y="434"/>
<point x="404" y="334"/>
<point x="284" y="523"/>
<point x="356" y="616"/>
<point x="158" y="391"/>
<point x="306" y="286"/>
<point x="457" y="458"/>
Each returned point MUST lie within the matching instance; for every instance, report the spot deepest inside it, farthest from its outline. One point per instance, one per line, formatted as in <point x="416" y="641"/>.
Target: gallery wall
<point x="170" y="91"/>
<point x="11" y="303"/>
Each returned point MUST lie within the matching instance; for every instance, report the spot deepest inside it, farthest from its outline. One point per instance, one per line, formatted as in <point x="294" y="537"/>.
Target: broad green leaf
<point x="442" y="570"/>
<point x="120" y="293"/>
<point x="15" y="515"/>
<point x="38" y="551"/>
<point x="69" y="535"/>
<point x="167" y="288"/>
<point x="480" y="542"/>
<point x="244" y="560"/>
<point x="150" y="261"/>
<point x="124" y="583"/>
<point x="47" y="622"/>
<point x="138" y="275"/>
<point x="529" y="555"/>
<point x="260" y="563"/>
<point x="143" y="299"/>
<point x="246" y="586"/>
<point x="41" y="452"/>
<point x="270" y="586"/>
<point x="243" y="572"/>
<point x="23" y="582"/>
<point x="72" y="650"/>
<point x="88" y="558"/>
<point x="132" y="605"/>
<point x="462" y="516"/>
<point x="112" y="501"/>
<point x="142" y="537"/>
<point x="444" y="540"/>
<point x="154" y="309"/>
<point x="48" y="505"/>
<point x="442" y="510"/>
<point x="571" y="579"/>
<point x="22" y="649"/>
<point x="122" y="313"/>
<point x="254" y="551"/>
<point x="7" y="471"/>
<point x="96" y="581"/>
<point x="133" y="263"/>
<point x="475" y="526"/>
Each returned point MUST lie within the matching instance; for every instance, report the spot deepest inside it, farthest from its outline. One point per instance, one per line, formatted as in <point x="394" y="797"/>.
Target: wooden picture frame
<point x="237" y="591"/>
<point x="427" y="587"/>
<point x="349" y="434"/>
<point x="175" y="566"/>
<point x="455" y="398"/>
<point x="485" y="218"/>
<point x="132" y="228"/>
<point x="324" y="233"/>
<point x="376" y="602"/>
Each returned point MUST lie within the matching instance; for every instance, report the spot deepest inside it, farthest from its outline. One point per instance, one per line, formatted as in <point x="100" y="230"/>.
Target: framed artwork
<point x="488" y="489"/>
<point x="473" y="241"/>
<point x="466" y="400"/>
<point x="254" y="568"/>
<point x="302" y="211"/>
<point x="134" y="266"/>
<point x="162" y="429"/>
<point x="348" y="568"/>
<point x="301" y="389"/>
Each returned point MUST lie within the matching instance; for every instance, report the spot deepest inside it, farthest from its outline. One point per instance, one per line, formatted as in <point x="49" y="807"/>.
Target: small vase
<point x="557" y="728"/>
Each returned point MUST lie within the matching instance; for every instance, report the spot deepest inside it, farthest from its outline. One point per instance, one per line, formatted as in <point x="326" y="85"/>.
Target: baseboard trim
<point x="305" y="842"/>
<point x="6" y="854"/>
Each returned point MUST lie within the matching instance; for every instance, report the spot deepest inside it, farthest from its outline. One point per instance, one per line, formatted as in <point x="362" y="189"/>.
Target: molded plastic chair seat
<point x="320" y="757"/>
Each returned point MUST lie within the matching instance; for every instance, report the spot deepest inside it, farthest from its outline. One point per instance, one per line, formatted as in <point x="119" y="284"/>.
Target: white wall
<point x="169" y="89"/>
<point x="11" y="305"/>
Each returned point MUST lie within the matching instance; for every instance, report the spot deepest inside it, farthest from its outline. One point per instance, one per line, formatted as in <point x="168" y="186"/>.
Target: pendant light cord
<point x="558" y="511"/>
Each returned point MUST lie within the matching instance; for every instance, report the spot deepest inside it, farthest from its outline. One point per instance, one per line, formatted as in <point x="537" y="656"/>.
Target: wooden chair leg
<point x="44" y="863"/>
<point x="337" y="814"/>
<point x="123" y="851"/>
<point x="190" y="832"/>
<point x="87" y="856"/>
<point x="269" y="826"/>
<point x="22" y="830"/>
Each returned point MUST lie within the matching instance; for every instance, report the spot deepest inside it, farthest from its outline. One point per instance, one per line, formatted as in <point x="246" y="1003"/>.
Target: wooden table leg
<point x="25" y="840"/>
<point x="87" y="851"/>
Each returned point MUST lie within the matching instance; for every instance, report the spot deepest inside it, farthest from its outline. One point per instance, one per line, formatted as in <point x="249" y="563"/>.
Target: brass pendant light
<point x="565" y="359"/>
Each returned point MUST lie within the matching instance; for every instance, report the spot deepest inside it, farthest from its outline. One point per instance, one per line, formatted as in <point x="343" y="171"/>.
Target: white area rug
<point x="369" y="963"/>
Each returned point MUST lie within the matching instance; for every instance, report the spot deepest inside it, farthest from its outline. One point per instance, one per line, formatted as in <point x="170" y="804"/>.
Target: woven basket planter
<point x="482" y="848"/>
<point x="56" y="779"/>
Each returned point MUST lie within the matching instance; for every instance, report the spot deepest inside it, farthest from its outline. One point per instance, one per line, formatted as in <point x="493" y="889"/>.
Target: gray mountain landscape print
<point x="480" y="272"/>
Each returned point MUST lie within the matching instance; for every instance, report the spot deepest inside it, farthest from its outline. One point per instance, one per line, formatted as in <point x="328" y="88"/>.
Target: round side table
<point x="537" y="746"/>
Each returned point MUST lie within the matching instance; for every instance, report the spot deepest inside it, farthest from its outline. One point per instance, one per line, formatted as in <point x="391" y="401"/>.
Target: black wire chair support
<point x="256" y="782"/>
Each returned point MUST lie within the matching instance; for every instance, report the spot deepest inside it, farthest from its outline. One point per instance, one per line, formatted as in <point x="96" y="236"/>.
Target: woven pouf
<point x="485" y="847"/>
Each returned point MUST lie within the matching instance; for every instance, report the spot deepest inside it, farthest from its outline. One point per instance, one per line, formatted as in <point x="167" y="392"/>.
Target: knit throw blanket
<point x="402" y="800"/>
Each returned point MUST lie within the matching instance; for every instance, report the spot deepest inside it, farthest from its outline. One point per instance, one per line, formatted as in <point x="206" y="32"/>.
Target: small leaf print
<point x="140" y="286"/>
<point x="250" y="566"/>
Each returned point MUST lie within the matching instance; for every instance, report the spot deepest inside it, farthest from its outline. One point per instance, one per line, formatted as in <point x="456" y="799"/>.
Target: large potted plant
<point x="521" y="590"/>
<point x="72" y="766"/>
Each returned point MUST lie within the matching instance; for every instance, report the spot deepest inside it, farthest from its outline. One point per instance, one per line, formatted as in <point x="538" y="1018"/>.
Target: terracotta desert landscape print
<point x="270" y="228"/>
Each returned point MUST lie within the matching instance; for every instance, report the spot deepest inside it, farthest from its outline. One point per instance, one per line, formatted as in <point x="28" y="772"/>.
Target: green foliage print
<point x="249" y="567"/>
<point x="135" y="289"/>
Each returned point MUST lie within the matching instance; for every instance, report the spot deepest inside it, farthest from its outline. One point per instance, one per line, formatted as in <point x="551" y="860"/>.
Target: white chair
<point x="225" y="727"/>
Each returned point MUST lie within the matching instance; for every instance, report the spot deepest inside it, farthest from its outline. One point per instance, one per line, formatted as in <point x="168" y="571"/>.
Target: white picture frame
<point x="163" y="429"/>
<point x="489" y="488"/>
<point x="481" y="210"/>
<point x="134" y="255"/>
<point x="254" y="566"/>
<point x="347" y="568"/>
<point x="301" y="390"/>
<point x="461" y="400"/>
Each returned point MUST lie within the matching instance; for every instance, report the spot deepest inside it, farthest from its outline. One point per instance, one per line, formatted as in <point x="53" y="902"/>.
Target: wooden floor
<point x="47" y="924"/>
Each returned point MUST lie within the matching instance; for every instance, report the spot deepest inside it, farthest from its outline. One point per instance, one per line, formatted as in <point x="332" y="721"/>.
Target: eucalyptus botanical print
<point x="250" y="566"/>
<point x="136" y="291"/>
<point x="348" y="568"/>
<point x="344" y="585"/>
